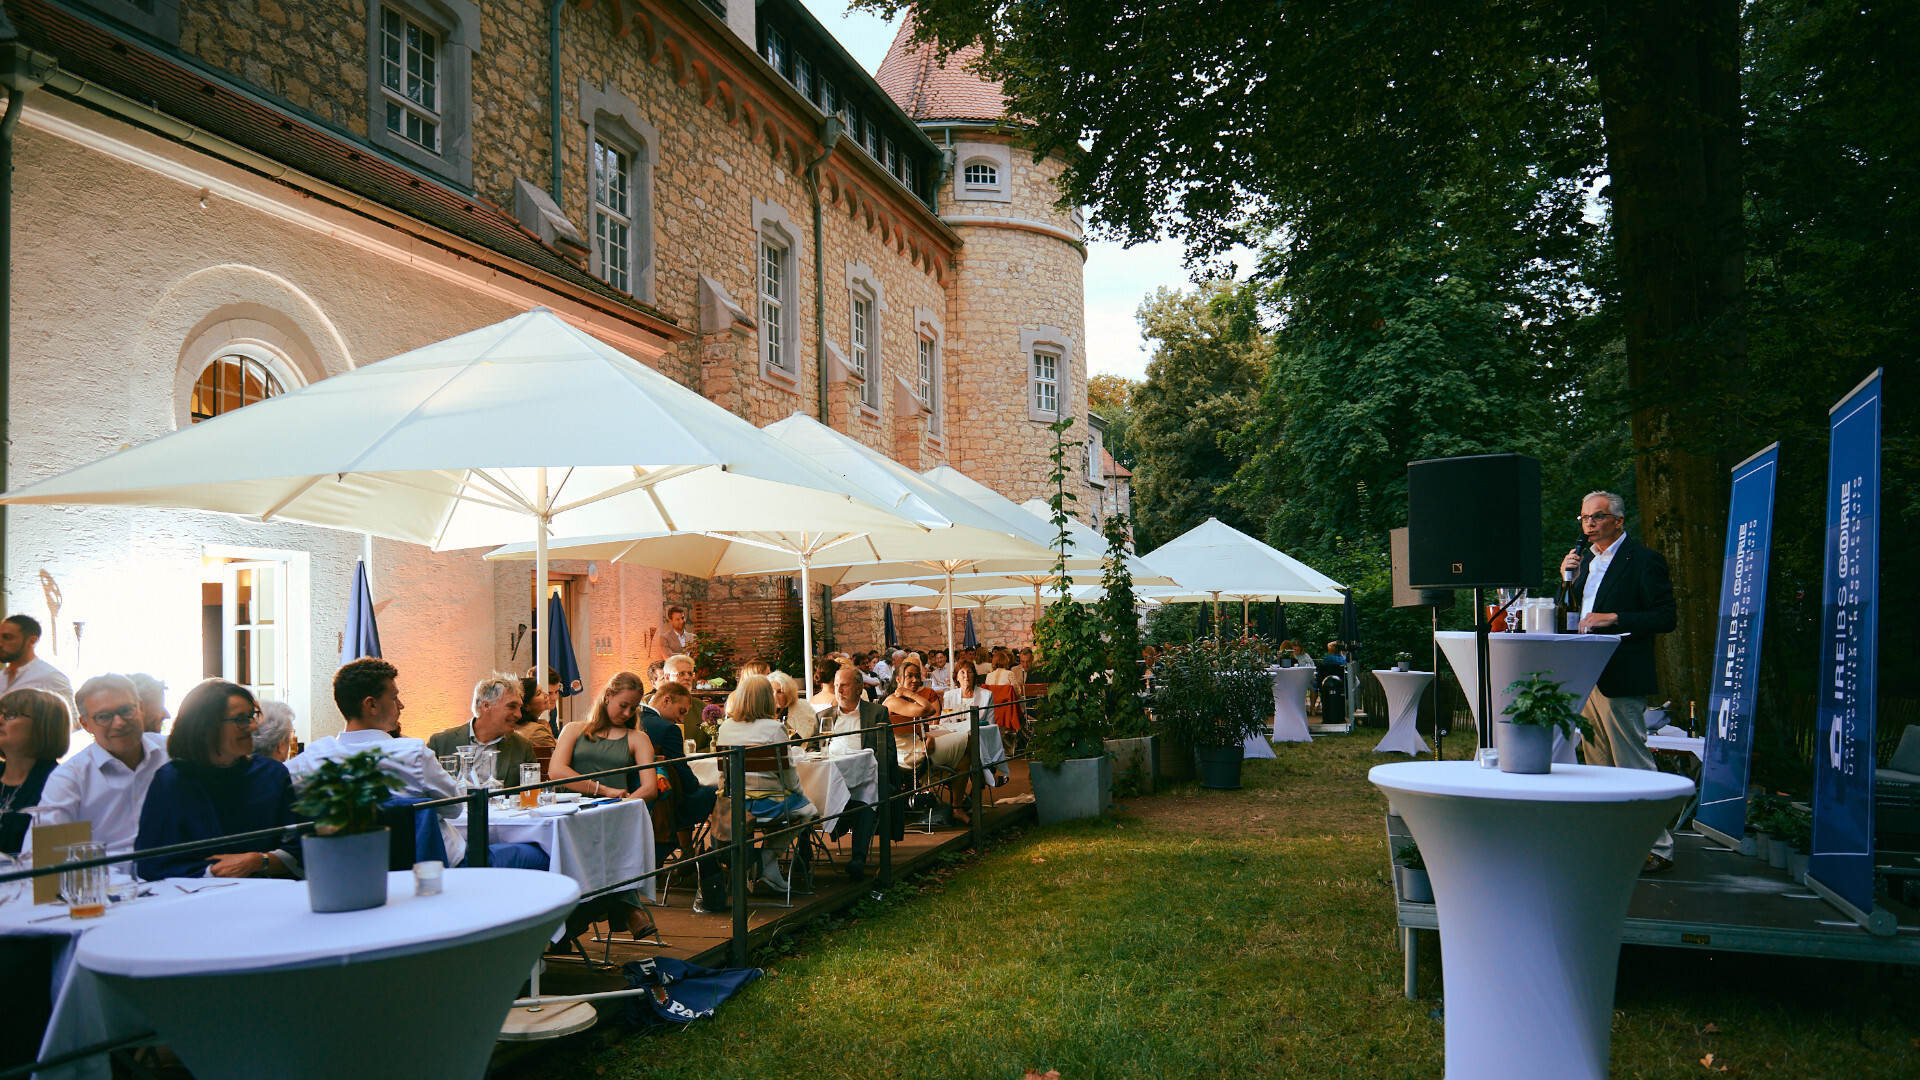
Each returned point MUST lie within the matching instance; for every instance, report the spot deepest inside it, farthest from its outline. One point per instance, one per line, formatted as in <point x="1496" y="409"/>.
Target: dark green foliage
<point x="1125" y="717"/>
<point x="1538" y="701"/>
<point x="343" y="796"/>
<point x="1070" y="644"/>
<point x="1208" y="695"/>
<point x="1408" y="855"/>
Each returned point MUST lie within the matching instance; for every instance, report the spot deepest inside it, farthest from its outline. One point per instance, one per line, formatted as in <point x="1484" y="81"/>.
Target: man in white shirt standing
<point x="18" y="636"/>
<point x="106" y="783"/>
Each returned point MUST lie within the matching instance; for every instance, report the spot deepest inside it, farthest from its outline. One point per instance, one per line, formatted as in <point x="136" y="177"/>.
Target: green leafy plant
<point x="1408" y="855"/>
<point x="1068" y="641"/>
<point x="1126" y="717"/>
<point x="1538" y="701"/>
<point x="343" y="796"/>
<point x="712" y="655"/>
<point x="1209" y="694"/>
<point x="1403" y="658"/>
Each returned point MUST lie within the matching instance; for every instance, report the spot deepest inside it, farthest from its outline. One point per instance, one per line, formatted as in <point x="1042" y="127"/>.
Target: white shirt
<point x="95" y="786"/>
<point x="37" y="674"/>
<point x="883" y="669"/>
<point x="408" y="759"/>
<point x="1596" y="571"/>
<point x="953" y="701"/>
<point x="834" y="720"/>
<point x="756" y="733"/>
<point x="941" y="678"/>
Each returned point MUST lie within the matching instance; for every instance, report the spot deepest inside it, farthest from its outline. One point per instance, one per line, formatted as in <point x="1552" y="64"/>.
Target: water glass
<point x="451" y="763"/>
<point x="85" y="889"/>
<point x="1488" y="757"/>
<point x="13" y="890"/>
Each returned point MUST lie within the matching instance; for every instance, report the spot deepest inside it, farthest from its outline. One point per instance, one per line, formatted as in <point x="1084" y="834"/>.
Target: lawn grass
<point x="1211" y="934"/>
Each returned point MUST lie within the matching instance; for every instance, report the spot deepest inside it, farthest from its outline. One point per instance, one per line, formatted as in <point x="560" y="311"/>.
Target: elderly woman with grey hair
<point x="273" y="732"/>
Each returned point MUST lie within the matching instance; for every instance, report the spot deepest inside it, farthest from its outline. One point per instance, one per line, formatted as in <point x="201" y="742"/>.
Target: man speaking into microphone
<point x="1624" y="588"/>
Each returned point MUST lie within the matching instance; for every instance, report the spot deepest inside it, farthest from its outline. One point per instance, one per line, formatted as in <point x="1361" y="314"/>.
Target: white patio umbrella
<point x="940" y="533"/>
<point x="1214" y="561"/>
<point x="433" y="447"/>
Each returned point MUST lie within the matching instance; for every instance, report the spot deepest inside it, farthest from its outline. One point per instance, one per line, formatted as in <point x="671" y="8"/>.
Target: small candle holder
<point x="427" y="877"/>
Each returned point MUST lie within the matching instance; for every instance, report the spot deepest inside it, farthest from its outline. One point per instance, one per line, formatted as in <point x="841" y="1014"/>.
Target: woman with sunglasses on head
<point x="214" y="785"/>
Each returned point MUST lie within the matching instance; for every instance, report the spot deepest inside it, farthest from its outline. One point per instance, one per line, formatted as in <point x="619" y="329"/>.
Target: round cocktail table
<point x="1531" y="879"/>
<point x="1575" y="660"/>
<point x="251" y="982"/>
<point x="1403" y="690"/>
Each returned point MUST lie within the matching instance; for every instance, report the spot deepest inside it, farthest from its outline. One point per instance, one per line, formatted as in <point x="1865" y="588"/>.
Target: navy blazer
<point x="1639" y="589"/>
<point x="178" y="810"/>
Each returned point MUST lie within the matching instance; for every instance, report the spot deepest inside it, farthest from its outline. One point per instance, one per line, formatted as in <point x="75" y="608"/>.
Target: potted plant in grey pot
<point x="1133" y="747"/>
<point x="1410" y="873"/>
<point x="1213" y="697"/>
<point x="1539" y="709"/>
<point x="1402" y="661"/>
<point x="346" y="857"/>
<point x="1072" y="775"/>
<point x="1798" y="827"/>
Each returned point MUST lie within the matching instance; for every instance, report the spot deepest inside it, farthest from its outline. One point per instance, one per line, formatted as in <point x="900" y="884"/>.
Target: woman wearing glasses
<point x="213" y="785"/>
<point x="34" y="726"/>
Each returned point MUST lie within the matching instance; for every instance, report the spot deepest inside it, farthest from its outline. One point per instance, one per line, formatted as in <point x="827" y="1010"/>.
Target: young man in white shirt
<point x="105" y="783"/>
<point x="18" y="636"/>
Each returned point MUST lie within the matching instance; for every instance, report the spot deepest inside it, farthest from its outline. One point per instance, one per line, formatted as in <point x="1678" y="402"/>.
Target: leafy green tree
<point x="1111" y="396"/>
<point x="1202" y="384"/>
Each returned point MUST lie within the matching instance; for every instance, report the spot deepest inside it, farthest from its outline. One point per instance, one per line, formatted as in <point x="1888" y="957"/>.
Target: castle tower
<point x="1016" y="309"/>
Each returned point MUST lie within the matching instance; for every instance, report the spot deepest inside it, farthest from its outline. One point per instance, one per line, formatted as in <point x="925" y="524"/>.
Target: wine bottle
<point x="1566" y="606"/>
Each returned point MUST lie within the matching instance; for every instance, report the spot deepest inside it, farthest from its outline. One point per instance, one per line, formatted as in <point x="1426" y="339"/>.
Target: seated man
<point x="496" y="709"/>
<point x="368" y="695"/>
<point x="692" y="801"/>
<point x="849" y="714"/>
<point x="107" y="782"/>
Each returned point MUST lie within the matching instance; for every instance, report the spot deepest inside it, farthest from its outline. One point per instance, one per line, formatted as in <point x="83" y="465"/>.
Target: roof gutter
<point x="554" y="119"/>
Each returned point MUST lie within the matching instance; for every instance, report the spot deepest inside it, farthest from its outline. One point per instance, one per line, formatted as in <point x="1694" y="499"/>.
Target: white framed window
<point x="613" y="215"/>
<point x="776" y="51"/>
<point x="1096" y="443"/>
<point x="778" y="302"/>
<point x="253" y="627"/>
<point x="775" y="288"/>
<point x="863" y="337"/>
<point x="410" y="79"/>
<point x="983" y="171"/>
<point x="930" y="380"/>
<point x="924" y="386"/>
<point x="419" y="81"/>
<point x="231" y="382"/>
<point x="803" y="71"/>
<point x="1046" y="382"/>
<point x="982" y="174"/>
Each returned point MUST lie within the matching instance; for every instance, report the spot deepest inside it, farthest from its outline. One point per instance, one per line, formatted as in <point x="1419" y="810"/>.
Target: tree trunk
<point x="1669" y="79"/>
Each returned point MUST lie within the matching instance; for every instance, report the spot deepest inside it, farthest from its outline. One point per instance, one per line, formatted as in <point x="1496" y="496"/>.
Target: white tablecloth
<point x="1290" y="686"/>
<point x="993" y="749"/>
<point x="83" y="1012"/>
<point x="1531" y="879"/>
<point x="596" y="846"/>
<point x="1403" y="690"/>
<point x="301" y="981"/>
<point x="1575" y="660"/>
<point x="1682" y="743"/>
<point x="832" y="781"/>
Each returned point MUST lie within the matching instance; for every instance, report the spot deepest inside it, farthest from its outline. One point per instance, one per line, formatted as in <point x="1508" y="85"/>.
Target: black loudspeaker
<point x="1403" y="596"/>
<point x="1473" y="522"/>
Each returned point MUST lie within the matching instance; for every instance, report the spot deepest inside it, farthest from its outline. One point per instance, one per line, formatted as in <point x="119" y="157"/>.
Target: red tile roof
<point x="929" y="90"/>
<point x="1112" y="467"/>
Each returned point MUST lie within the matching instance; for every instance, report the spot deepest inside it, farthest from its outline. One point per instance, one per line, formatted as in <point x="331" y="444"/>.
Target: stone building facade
<point x="281" y="190"/>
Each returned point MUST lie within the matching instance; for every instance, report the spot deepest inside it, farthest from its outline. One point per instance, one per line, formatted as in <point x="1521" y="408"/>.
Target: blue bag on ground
<point x="679" y="992"/>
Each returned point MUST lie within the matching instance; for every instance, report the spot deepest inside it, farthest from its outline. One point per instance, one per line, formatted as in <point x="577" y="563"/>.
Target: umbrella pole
<point x="806" y="624"/>
<point x="949" y="599"/>
<point x="540" y="579"/>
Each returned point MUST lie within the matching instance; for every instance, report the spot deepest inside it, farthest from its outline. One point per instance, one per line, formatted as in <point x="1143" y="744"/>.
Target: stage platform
<point x="1717" y="900"/>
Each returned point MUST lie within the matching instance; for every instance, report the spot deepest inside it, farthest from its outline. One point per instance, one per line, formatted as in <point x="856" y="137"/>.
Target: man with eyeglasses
<point x="1624" y="588"/>
<point x="106" y="783"/>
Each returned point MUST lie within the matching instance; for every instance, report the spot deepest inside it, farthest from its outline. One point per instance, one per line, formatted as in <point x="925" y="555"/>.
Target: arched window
<point x="982" y="175"/>
<point x="231" y="382"/>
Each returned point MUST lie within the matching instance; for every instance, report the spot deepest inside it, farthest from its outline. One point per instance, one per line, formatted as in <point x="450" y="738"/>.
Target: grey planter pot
<point x="1079" y="788"/>
<point x="1525" y="748"/>
<point x="1777" y="854"/>
<point x="1797" y="867"/>
<point x="1750" y="844"/>
<point x="346" y="873"/>
<point x="1219" y="766"/>
<point x="1139" y="756"/>
<point x="1764" y="847"/>
<point x="1415" y="886"/>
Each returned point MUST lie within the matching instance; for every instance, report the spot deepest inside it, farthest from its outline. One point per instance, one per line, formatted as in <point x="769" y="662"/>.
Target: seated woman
<point x="911" y="700"/>
<point x="754" y="720"/>
<point x="535" y="700"/>
<point x="949" y="750"/>
<point x="799" y="716"/>
<point x="1004" y="672"/>
<point x="609" y="739"/>
<point x="273" y="735"/>
<point x="213" y="785"/>
<point x="967" y="691"/>
<point x="34" y="731"/>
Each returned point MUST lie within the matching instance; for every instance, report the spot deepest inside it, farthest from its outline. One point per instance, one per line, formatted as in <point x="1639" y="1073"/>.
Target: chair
<point x="760" y="759"/>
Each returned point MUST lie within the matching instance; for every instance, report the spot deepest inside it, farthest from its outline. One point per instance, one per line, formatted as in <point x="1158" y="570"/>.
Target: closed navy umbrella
<point x="560" y="649"/>
<point x="362" y="637"/>
<point x="1280" y="622"/>
<point x="970" y="640"/>
<point x="892" y="635"/>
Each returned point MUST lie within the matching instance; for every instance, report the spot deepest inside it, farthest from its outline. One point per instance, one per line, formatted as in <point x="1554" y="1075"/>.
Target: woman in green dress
<point x="610" y="739"/>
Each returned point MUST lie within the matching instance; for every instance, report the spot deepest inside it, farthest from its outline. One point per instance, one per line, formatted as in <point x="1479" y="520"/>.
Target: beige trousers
<point x="1620" y="740"/>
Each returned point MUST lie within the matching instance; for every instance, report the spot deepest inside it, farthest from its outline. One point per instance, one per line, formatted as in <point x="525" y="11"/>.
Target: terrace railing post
<point x="477" y="827"/>
<point x="979" y="778"/>
<point x="737" y="806"/>
<point x="887" y="795"/>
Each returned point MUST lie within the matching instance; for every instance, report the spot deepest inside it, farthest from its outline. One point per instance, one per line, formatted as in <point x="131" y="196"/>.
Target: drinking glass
<point x="13" y="890"/>
<point x="85" y="889"/>
<point x="529" y="774"/>
<point x="451" y="763"/>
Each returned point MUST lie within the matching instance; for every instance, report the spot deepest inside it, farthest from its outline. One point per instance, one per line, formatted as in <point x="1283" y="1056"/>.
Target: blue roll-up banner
<point x="1736" y="658"/>
<point x="1842" y="856"/>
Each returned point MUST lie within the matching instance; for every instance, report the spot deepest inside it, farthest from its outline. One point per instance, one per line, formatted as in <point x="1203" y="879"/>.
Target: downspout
<point x="553" y="96"/>
<point x="829" y="138"/>
<point x="21" y="69"/>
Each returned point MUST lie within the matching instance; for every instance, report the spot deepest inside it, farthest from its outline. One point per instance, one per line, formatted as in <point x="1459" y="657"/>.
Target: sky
<point x="1117" y="278"/>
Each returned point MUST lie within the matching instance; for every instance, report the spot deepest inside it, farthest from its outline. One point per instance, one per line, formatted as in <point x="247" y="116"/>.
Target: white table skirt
<point x="596" y="847"/>
<point x="1290" y="686"/>
<point x="84" y="1012"/>
<point x="832" y="781"/>
<point x="1575" y="660"/>
<point x="1257" y="746"/>
<point x="993" y="749"/>
<point x="300" y="979"/>
<point x="1403" y="690"/>
<point x="1531" y="880"/>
